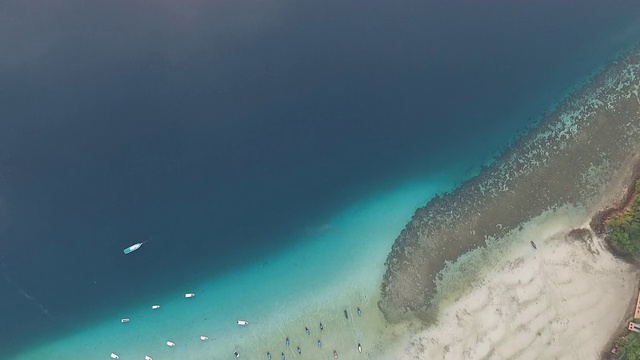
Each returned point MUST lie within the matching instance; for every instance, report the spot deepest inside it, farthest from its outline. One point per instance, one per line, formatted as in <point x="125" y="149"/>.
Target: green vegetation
<point x="624" y="236"/>
<point x="624" y="229"/>
<point x="629" y="347"/>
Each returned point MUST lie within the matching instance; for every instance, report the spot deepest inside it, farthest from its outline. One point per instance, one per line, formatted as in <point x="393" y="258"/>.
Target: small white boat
<point x="155" y="307"/>
<point x="115" y="356"/>
<point x="147" y="357"/>
<point x="359" y="348"/>
<point x="171" y="344"/>
<point x="189" y="295"/>
<point x="133" y="247"/>
<point x="243" y="322"/>
<point x="203" y="338"/>
<point x="125" y="320"/>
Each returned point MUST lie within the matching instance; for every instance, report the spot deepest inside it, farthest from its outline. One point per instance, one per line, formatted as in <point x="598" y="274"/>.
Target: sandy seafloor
<point x="561" y="301"/>
<point x="279" y="299"/>
<point x="521" y="303"/>
<point x="464" y="264"/>
<point x="504" y="300"/>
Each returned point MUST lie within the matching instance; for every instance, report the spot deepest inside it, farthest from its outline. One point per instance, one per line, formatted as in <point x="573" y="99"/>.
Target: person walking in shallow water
<point x="299" y="351"/>
<point x="306" y="329"/>
<point x="321" y="327"/>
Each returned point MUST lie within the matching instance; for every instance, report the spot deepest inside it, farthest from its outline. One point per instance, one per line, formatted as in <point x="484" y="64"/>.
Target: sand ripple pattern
<point x="560" y="302"/>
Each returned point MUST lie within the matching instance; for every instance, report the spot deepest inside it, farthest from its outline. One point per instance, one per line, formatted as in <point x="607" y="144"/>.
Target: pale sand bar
<point x="569" y="159"/>
<point x="561" y="301"/>
<point x="465" y="263"/>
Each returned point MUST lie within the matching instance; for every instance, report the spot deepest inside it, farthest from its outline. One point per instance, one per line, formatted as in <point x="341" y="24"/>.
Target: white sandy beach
<point x="561" y="301"/>
<point x="504" y="301"/>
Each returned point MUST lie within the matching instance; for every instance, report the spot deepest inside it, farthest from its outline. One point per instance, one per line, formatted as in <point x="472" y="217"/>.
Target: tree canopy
<point x="629" y="347"/>
<point x="624" y="229"/>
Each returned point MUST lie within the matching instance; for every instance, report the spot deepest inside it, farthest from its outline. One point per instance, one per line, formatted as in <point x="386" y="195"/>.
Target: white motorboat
<point x="243" y="322"/>
<point x="203" y="338"/>
<point x="133" y="247"/>
<point x="125" y="320"/>
<point x="155" y="307"/>
<point x="115" y="356"/>
<point x="147" y="357"/>
<point x="190" y="295"/>
<point x="171" y="344"/>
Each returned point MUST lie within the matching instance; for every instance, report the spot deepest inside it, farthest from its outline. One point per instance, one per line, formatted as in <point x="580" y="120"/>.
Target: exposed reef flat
<point x="561" y="301"/>
<point x="572" y="155"/>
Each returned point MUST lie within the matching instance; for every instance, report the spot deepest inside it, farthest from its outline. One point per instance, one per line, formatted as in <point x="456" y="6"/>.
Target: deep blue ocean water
<point x="223" y="129"/>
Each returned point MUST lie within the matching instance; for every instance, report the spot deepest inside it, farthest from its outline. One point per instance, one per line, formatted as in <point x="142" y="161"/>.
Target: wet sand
<point x="462" y="280"/>
<point x="464" y="267"/>
<point x="561" y="301"/>
<point x="577" y="150"/>
<point x="339" y="268"/>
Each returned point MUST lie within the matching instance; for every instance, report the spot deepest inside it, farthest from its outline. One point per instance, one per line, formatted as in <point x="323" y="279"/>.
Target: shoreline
<point x="585" y="155"/>
<point x="597" y="224"/>
<point x="605" y="354"/>
<point x="626" y="196"/>
<point x="338" y="269"/>
<point x="587" y="293"/>
<point x="568" y="159"/>
<point x="599" y="219"/>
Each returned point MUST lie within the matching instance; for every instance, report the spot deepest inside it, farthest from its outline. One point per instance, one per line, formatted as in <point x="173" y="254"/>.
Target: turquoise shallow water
<point x="339" y="258"/>
<point x="229" y="133"/>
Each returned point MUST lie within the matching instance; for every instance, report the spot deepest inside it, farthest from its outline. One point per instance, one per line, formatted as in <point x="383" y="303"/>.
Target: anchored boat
<point x="133" y="247"/>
